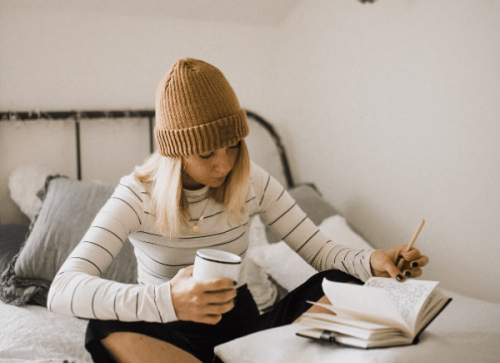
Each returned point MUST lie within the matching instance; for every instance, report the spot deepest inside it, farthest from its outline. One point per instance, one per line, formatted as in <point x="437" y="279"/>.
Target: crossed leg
<point x="133" y="347"/>
<point x="127" y="347"/>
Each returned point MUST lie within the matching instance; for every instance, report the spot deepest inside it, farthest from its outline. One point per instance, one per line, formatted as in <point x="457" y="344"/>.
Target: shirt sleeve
<point x="78" y="288"/>
<point x="280" y="212"/>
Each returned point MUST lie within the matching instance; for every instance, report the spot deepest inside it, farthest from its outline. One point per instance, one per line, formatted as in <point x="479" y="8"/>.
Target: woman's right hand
<point x="201" y="301"/>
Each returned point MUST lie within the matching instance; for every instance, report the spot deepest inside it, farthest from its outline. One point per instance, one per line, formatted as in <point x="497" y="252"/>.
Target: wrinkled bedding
<point x="33" y="334"/>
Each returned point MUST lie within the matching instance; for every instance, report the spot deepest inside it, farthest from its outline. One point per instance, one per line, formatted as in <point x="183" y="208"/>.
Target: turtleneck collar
<point x="195" y="195"/>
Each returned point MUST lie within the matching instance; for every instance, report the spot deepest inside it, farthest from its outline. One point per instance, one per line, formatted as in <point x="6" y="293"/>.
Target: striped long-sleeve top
<point x="79" y="290"/>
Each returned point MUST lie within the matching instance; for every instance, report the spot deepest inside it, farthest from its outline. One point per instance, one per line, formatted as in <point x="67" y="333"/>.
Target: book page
<point x="363" y="303"/>
<point x="408" y="297"/>
<point x="365" y="325"/>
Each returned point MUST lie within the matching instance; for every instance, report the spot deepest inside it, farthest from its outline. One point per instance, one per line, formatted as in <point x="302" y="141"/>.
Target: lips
<point x="220" y="180"/>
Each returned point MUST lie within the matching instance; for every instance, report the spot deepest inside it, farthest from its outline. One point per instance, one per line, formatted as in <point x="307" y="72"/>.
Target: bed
<point x="30" y="254"/>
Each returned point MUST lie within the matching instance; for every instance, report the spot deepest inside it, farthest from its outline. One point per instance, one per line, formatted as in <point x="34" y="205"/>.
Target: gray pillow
<point x="311" y="202"/>
<point x="68" y="209"/>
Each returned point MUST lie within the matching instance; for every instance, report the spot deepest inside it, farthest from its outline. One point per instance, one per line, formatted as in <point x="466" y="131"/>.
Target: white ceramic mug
<point x="214" y="264"/>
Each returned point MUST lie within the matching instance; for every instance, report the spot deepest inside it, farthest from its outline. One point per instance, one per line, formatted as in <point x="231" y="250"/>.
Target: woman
<point x="199" y="190"/>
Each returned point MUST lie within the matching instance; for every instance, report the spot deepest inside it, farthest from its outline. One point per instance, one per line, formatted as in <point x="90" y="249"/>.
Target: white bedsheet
<point x="34" y="334"/>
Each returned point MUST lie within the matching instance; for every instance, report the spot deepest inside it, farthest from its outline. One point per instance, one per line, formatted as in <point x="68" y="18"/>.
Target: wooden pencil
<point x="401" y="261"/>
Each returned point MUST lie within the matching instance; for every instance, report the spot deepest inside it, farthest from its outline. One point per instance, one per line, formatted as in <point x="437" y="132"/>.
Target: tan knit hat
<point x="197" y="110"/>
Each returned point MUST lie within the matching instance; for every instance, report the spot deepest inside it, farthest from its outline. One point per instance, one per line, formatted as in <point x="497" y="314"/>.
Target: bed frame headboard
<point x="105" y="145"/>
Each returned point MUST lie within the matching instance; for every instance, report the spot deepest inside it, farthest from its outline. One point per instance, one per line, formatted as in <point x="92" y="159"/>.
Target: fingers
<point x="393" y="271"/>
<point x="216" y="309"/>
<point x="201" y="301"/>
<point x="209" y="307"/>
<point x="211" y="314"/>
<point x="219" y="297"/>
<point x="420" y="262"/>
<point x="412" y="272"/>
<point x="383" y="263"/>
<point x="412" y="255"/>
<point x="414" y="259"/>
<point x="216" y="285"/>
<point x="414" y="262"/>
<point x="214" y="292"/>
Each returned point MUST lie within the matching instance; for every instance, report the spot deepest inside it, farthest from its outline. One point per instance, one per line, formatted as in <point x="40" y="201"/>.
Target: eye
<point x="237" y="146"/>
<point x="208" y="156"/>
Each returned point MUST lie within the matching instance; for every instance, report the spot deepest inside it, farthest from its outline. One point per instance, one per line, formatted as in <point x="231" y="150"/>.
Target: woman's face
<point x="209" y="169"/>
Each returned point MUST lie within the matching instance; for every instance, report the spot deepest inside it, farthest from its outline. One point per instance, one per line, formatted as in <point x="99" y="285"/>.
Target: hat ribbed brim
<point x="203" y="138"/>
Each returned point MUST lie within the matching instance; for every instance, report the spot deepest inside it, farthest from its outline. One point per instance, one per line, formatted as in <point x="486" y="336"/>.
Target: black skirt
<point x="200" y="339"/>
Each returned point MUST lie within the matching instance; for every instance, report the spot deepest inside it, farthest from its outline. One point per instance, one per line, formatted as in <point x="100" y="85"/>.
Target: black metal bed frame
<point x="148" y="115"/>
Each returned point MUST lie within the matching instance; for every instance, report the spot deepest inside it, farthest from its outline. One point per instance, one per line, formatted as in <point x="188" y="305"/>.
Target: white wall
<point x="62" y="59"/>
<point x="53" y="58"/>
<point x="391" y="108"/>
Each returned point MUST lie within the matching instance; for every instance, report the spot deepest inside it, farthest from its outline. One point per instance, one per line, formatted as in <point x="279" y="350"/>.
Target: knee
<point x="125" y="347"/>
<point x="121" y="340"/>
<point x="133" y="347"/>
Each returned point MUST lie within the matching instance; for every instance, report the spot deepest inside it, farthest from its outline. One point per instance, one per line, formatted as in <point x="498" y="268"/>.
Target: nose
<point x="222" y="163"/>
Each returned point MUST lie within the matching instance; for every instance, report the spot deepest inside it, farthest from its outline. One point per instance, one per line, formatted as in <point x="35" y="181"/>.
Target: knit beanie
<point x="197" y="110"/>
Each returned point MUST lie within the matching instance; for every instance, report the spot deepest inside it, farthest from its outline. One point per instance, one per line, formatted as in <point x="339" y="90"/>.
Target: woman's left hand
<point x="383" y="263"/>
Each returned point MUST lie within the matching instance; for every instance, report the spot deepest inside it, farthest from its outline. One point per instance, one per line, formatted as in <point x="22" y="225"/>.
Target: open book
<point x="381" y="313"/>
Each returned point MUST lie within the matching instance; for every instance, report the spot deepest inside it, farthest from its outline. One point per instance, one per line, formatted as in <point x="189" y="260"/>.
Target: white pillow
<point x="289" y="269"/>
<point x="24" y="182"/>
<point x="285" y="266"/>
<point x="336" y="228"/>
<point x="253" y="273"/>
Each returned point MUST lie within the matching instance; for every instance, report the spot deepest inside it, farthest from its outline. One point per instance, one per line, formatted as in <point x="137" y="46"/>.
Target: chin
<point x="217" y="183"/>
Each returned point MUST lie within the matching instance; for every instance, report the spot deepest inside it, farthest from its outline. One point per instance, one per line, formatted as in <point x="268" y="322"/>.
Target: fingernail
<point x="399" y="277"/>
<point x="414" y="264"/>
<point x="400" y="255"/>
<point x="407" y="273"/>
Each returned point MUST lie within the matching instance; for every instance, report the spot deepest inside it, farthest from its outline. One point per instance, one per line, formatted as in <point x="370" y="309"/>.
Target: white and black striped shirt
<point x="79" y="290"/>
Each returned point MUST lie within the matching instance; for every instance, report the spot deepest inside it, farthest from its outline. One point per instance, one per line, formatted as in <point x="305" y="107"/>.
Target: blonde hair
<point x="163" y="175"/>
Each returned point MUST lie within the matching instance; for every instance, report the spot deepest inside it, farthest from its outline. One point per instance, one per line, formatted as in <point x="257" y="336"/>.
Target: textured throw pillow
<point x="67" y="211"/>
<point x="12" y="237"/>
